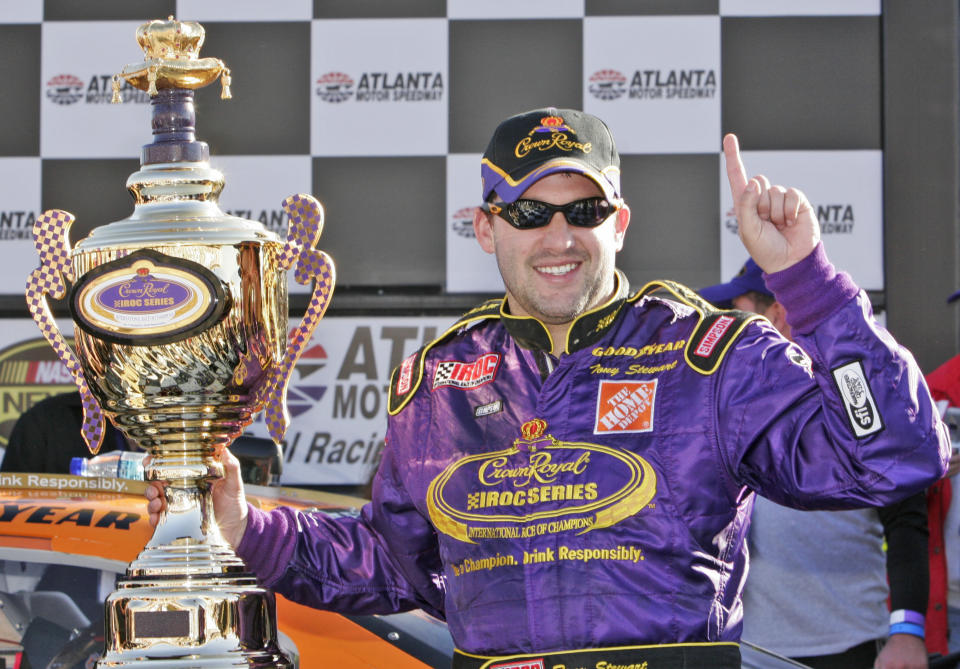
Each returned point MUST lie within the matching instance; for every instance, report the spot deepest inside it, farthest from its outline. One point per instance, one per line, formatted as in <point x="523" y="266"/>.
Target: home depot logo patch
<point x="625" y="406"/>
<point x="467" y="374"/>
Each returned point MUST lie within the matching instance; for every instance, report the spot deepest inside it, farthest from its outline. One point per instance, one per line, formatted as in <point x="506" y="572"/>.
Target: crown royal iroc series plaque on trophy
<point x="181" y="339"/>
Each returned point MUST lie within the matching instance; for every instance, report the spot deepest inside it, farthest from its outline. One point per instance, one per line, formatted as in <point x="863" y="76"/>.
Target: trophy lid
<point x="176" y="191"/>
<point x="172" y="50"/>
<point x="171" y="70"/>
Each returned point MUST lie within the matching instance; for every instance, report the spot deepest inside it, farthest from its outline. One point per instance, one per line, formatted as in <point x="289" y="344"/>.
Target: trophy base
<point x="211" y="621"/>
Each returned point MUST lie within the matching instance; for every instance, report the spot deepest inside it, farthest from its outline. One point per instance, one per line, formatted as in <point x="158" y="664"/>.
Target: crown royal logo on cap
<point x="558" y="138"/>
<point x="552" y="124"/>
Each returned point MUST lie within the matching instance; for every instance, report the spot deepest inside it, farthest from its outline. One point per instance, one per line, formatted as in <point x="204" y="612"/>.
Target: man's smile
<point x="557" y="270"/>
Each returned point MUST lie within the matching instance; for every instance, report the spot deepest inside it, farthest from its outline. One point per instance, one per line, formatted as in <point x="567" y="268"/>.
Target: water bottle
<point x="114" y="464"/>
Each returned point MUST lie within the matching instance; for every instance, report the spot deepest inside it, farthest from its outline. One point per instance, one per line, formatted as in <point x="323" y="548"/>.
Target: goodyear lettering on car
<point x="41" y="514"/>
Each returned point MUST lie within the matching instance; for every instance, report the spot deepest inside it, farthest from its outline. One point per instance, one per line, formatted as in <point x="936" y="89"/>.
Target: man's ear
<point x="622" y="223"/>
<point x="777" y="315"/>
<point x="483" y="230"/>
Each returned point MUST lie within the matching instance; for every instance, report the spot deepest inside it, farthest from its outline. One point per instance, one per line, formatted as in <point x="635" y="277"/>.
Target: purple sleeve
<point x="840" y="418"/>
<point x="383" y="559"/>
<point x="267" y="543"/>
<point x="811" y="290"/>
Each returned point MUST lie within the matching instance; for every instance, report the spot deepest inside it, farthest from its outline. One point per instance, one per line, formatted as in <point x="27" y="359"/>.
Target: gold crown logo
<point x="533" y="429"/>
<point x="172" y="59"/>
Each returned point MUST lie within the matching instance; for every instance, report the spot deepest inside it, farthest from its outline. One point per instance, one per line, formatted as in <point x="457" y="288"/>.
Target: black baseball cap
<point x="529" y="146"/>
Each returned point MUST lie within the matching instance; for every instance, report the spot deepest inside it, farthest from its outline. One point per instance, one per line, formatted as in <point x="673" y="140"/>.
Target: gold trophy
<point x="181" y="338"/>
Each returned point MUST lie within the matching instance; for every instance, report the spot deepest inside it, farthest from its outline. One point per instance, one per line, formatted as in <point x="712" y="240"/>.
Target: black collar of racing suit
<point x="586" y="329"/>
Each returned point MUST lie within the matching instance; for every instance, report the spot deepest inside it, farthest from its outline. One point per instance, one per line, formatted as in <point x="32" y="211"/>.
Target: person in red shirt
<point x="943" y="619"/>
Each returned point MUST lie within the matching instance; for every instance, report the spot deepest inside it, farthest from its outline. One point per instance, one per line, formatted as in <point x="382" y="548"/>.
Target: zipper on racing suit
<point x="545" y="363"/>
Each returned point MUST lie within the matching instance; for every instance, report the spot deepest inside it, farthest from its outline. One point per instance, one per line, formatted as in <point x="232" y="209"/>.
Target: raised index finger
<point x="736" y="173"/>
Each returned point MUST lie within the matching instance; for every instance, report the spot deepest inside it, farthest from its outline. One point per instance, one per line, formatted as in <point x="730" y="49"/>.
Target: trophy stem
<point x="174" y="130"/>
<point x="187" y="600"/>
<point x="187" y="539"/>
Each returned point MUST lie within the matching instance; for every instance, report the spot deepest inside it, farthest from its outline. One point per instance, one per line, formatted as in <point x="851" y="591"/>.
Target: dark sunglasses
<point x="528" y="214"/>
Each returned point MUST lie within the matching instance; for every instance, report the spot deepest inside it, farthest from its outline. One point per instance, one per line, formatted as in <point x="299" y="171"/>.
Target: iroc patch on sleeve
<point x="858" y="399"/>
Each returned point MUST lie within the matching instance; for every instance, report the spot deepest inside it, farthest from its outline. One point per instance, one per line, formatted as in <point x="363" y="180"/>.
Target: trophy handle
<point x="50" y="238"/>
<point x="306" y="224"/>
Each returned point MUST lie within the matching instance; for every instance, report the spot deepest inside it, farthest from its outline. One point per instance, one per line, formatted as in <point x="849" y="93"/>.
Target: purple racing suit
<point x="603" y="498"/>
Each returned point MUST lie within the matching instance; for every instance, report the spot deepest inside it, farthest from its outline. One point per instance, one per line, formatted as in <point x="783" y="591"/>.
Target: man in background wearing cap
<point x="567" y="471"/>
<point x="817" y="590"/>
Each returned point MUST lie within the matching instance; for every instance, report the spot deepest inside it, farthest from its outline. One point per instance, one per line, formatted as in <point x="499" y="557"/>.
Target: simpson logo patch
<point x="625" y="406"/>
<point x="467" y="374"/>
<point x="858" y="399"/>
<point x="713" y="336"/>
<point x="406" y="375"/>
<point x="523" y="664"/>
<point x="488" y="409"/>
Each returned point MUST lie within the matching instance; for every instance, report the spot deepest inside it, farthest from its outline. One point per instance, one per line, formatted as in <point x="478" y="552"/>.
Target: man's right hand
<point x="229" y="501"/>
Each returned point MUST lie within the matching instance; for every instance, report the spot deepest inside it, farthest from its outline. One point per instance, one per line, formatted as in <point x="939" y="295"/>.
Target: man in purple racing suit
<point x="569" y="470"/>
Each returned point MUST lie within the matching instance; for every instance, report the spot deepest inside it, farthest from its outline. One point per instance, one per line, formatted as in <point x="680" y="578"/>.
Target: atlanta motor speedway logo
<point x="17" y="224"/>
<point x="654" y="84"/>
<point x="417" y="86"/>
<point x="304" y="394"/>
<point x="607" y="84"/>
<point x="461" y="223"/>
<point x="67" y="89"/>
<point x="335" y="87"/>
<point x="64" y="89"/>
